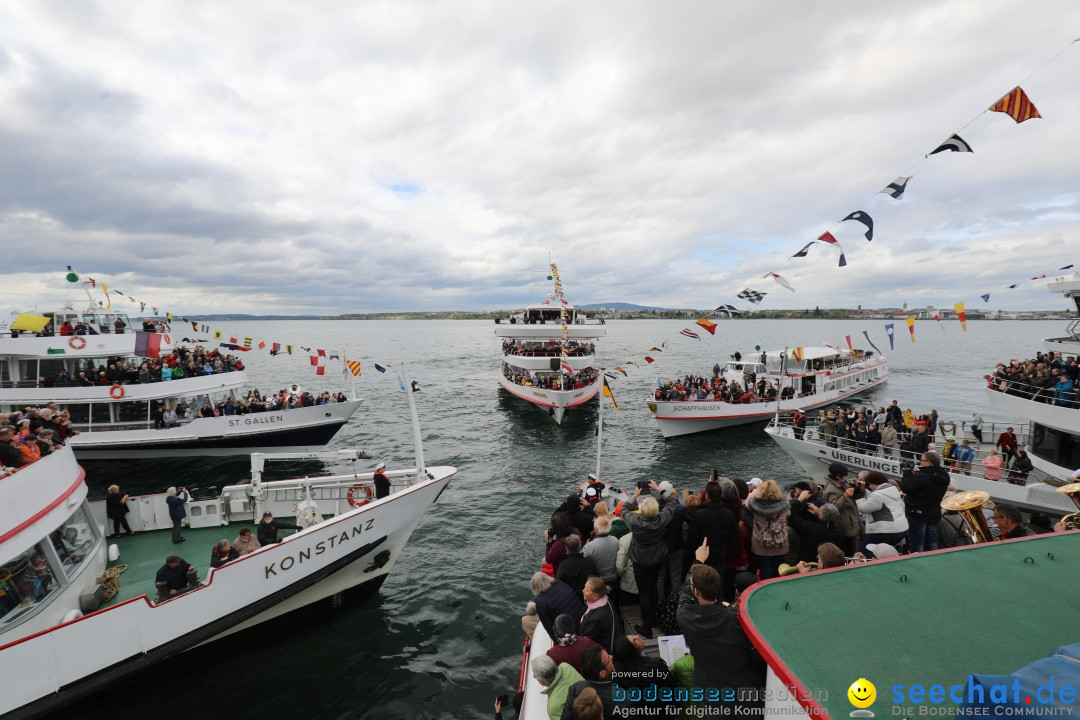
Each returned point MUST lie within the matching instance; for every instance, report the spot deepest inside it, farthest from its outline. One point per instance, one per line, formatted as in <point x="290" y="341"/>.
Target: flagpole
<point x="600" y="424"/>
<point x="418" y="445"/>
<point x="780" y="386"/>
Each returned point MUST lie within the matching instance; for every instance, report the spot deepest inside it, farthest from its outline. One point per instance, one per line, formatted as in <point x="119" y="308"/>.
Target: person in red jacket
<point x="1006" y="443"/>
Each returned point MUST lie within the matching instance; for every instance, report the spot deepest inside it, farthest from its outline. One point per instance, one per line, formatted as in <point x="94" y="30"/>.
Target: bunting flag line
<point x="860" y="216"/>
<point x="752" y="295"/>
<point x="729" y="310"/>
<point x="1016" y="105"/>
<point x="608" y="394"/>
<point x="866" y="334"/>
<point x="986" y="297"/>
<point x="955" y="144"/>
<point x="891" y="332"/>
<point x="708" y="325"/>
<point x="961" y="315"/>
<point x="896" y="188"/>
<point x="353" y="366"/>
<point x="779" y="280"/>
<point x="911" y="327"/>
<point x="690" y="333"/>
<point x="827" y="237"/>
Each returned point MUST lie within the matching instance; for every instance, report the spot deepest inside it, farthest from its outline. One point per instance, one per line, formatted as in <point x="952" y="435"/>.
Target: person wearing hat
<point x="382" y="483"/>
<point x="174" y="577"/>
<point x="841" y="493"/>
<point x="268" y="529"/>
<point x="593" y="489"/>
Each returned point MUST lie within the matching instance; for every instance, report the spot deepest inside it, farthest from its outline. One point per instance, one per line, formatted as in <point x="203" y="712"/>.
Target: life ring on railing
<point x="116" y="391"/>
<point x="76" y="342"/>
<point x="360" y="489"/>
<point x="167" y="338"/>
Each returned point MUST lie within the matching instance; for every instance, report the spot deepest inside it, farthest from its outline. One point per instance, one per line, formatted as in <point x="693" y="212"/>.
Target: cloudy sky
<point x="342" y="157"/>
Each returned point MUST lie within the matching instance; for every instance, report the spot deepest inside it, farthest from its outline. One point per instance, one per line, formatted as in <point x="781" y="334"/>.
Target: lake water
<point x="443" y="636"/>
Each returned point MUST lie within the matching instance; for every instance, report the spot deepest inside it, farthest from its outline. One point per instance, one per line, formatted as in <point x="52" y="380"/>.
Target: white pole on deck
<point x="780" y="386"/>
<point x="600" y="425"/>
<point x="418" y="444"/>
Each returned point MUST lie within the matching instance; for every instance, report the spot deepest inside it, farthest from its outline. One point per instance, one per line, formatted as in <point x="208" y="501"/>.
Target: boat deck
<point x="145" y="553"/>
<point x="927" y="619"/>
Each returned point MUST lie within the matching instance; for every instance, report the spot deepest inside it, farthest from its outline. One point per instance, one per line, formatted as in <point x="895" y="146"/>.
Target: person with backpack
<point x="769" y="537"/>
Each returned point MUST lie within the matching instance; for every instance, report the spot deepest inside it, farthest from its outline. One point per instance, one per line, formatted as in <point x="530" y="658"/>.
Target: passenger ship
<point x="80" y="611"/>
<point x="1054" y="445"/>
<point x="533" y="366"/>
<point x="822" y="376"/>
<point x="120" y="420"/>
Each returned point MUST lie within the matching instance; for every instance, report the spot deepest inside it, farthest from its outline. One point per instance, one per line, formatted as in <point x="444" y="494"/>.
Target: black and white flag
<point x="752" y="295"/>
<point x="896" y="187"/>
<point x="860" y="216"/>
<point x="729" y="310"/>
<point x="955" y="143"/>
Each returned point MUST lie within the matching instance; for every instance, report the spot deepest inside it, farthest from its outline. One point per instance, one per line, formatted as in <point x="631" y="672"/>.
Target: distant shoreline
<point x="1054" y="315"/>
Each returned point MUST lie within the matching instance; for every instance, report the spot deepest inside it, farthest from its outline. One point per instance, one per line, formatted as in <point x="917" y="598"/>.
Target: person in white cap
<point x="382" y="483"/>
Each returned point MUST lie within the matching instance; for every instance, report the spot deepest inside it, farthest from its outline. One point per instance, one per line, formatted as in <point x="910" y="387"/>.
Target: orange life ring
<point x="358" y="489"/>
<point x="168" y="340"/>
<point x="76" y="342"/>
<point x="116" y="391"/>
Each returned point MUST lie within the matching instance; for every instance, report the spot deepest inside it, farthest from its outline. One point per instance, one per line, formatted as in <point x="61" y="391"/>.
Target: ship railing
<point x="812" y="435"/>
<point x="1034" y="393"/>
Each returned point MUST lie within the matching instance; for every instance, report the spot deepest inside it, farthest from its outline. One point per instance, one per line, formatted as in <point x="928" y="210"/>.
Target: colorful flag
<point x="891" y="332"/>
<point x="911" y="327"/>
<point x="275" y="348"/>
<point x="317" y="362"/>
<point x="860" y="216"/>
<point x="353" y="366"/>
<point x="986" y="297"/>
<point x="148" y="345"/>
<point x="1038" y="277"/>
<point x="108" y="300"/>
<point x="961" y="315"/>
<point x="649" y="360"/>
<point x="779" y="280"/>
<point x="896" y="188"/>
<point x="1016" y="105"/>
<point x="621" y="370"/>
<point x="940" y="324"/>
<point x="607" y="393"/>
<point x="218" y="334"/>
<point x="729" y="310"/>
<point x="380" y="368"/>
<point x="850" y="347"/>
<point x="288" y="349"/>
<point x="866" y="334"/>
<point x="955" y="144"/>
<point x="798" y="354"/>
<point x="708" y="325"/>
<point x="805" y="249"/>
<point x="30" y="323"/>
<point x="827" y="237"/>
<point x="262" y="345"/>
<point x="566" y="367"/>
<point x="247" y="342"/>
<point x="690" y="333"/>
<point x="401" y="383"/>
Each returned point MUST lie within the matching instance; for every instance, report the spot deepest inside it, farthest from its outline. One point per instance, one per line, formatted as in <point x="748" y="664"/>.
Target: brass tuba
<point x="1072" y="521"/>
<point x="784" y="570"/>
<point x="969" y="505"/>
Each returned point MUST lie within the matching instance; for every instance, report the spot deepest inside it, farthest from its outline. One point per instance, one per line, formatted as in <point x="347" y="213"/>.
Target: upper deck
<point x="545" y="321"/>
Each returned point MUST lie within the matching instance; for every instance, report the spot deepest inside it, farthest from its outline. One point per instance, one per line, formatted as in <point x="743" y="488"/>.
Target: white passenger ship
<point x="822" y="376"/>
<point x="533" y="367"/>
<point x="1054" y="445"/>
<point x="120" y="420"/>
<point x="62" y="636"/>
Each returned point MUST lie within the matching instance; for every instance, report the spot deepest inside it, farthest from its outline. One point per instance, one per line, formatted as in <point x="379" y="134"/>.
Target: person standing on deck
<point x="1006" y="443"/>
<point x="176" y="501"/>
<point x="923" y="490"/>
<point x="382" y="483"/>
<point x="976" y="426"/>
<point x="842" y="494"/>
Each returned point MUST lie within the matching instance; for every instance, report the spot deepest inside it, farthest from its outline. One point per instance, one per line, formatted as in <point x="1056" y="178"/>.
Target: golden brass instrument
<point x="1072" y="521"/>
<point x="970" y="506"/>
<point x="785" y="569"/>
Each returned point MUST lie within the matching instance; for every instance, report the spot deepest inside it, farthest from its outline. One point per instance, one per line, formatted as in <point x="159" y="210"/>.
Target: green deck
<point x="988" y="609"/>
<point x="145" y="553"/>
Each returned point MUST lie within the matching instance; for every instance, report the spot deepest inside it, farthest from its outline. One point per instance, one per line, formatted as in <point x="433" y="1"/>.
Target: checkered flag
<point x="752" y="295"/>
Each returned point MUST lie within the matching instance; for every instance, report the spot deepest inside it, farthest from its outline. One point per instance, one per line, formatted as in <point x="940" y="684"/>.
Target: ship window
<point x="25" y="582"/>
<point x="1056" y="447"/>
<point x="74" y="540"/>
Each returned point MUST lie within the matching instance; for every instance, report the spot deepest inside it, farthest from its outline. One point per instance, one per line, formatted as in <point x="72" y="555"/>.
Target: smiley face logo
<point x="862" y="693"/>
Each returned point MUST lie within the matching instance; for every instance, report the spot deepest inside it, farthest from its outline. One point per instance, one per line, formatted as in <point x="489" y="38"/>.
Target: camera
<point x="643" y="484"/>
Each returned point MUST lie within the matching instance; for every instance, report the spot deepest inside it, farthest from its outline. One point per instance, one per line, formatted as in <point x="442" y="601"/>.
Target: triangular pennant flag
<point x="911" y="327"/>
<point x="1067" y="267"/>
<point x="1014" y="286"/>
<point x="866" y="334"/>
<point x="986" y="297"/>
<point x="708" y="325"/>
<point x="1016" y="105"/>
<point x="353" y="366"/>
<point x="779" y="280"/>
<point x="649" y="360"/>
<point x="940" y="324"/>
<point x="860" y="216"/>
<point x="827" y="237"/>
<point x="690" y="333"/>
<point x="896" y="188"/>
<point x="380" y="368"/>
<point x="961" y="315"/>
<point x="797" y="354"/>
<point x="805" y="249"/>
<point x="891" y="332"/>
<point x="608" y="394"/>
<point x="955" y="143"/>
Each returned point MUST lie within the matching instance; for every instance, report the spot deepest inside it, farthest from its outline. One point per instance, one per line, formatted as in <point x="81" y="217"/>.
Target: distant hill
<point x="623" y="307"/>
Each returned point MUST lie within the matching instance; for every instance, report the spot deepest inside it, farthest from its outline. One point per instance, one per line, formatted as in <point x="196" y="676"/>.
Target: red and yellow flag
<point x="961" y="315"/>
<point x="708" y="325"/>
<point x="797" y="354"/>
<point x="607" y="393"/>
<point x="911" y="327"/>
<point x="1016" y="105"/>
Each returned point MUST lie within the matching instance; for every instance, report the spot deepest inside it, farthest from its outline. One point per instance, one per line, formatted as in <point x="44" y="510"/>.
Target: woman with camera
<point x="648" y="549"/>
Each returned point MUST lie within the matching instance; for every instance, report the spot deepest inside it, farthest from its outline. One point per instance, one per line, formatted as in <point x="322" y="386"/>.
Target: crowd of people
<point x="1047" y="378"/>
<point x="892" y="432"/>
<point x="28" y="436"/>
<point x="550" y="348"/>
<point x="750" y="389"/>
<point x="685" y="560"/>
<point x="181" y="362"/>
<point x="550" y="379"/>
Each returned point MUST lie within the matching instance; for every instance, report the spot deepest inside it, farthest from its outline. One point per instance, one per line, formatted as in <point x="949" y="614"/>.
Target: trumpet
<point x="1072" y="520"/>
<point x="969" y="505"/>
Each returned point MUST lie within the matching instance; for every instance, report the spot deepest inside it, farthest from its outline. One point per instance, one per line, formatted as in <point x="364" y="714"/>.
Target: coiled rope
<point x="110" y="582"/>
